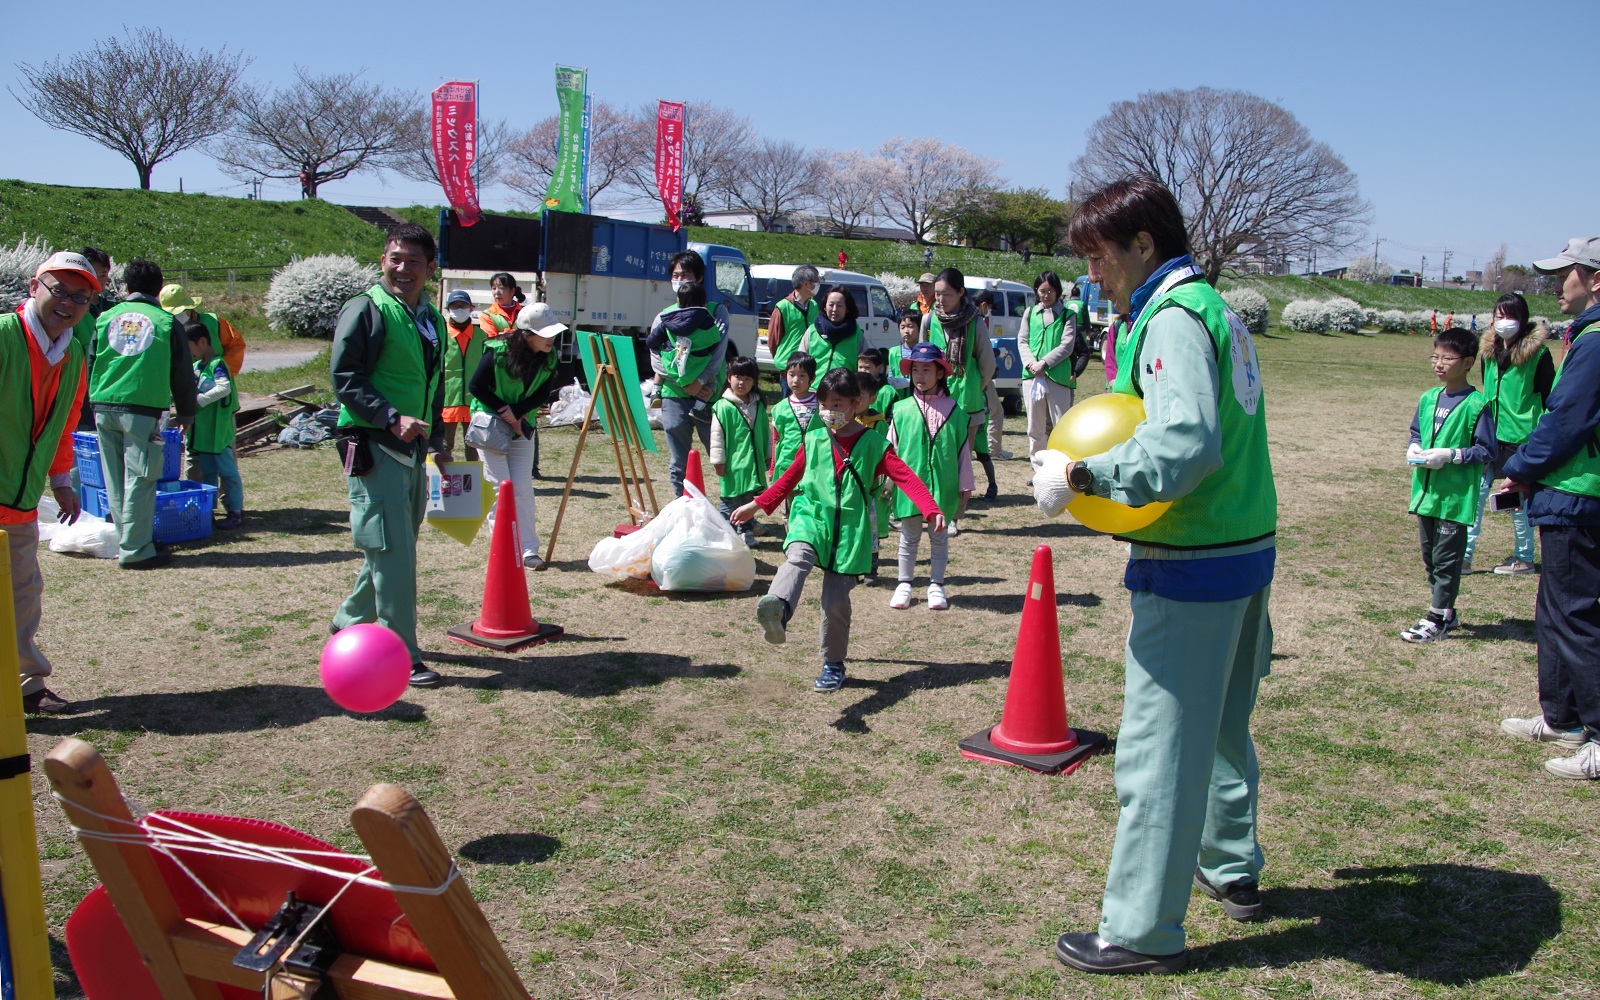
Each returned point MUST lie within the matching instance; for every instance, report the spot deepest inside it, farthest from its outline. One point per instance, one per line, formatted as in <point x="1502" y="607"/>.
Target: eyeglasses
<point x="1443" y="359"/>
<point x="60" y="293"/>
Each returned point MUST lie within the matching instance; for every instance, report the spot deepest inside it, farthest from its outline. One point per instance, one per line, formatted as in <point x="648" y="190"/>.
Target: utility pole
<point x="1375" y="241"/>
<point x="1444" y="270"/>
<point x="1422" y="272"/>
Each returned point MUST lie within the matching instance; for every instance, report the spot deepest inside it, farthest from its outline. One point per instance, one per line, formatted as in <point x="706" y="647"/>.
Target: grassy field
<point x="660" y="807"/>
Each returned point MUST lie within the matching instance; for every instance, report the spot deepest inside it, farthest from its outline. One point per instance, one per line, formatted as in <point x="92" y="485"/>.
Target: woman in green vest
<point x="1517" y="377"/>
<point x="211" y="437"/>
<point x="956" y="327"/>
<point x="513" y="379"/>
<point x="1049" y="332"/>
<point x="835" y="337"/>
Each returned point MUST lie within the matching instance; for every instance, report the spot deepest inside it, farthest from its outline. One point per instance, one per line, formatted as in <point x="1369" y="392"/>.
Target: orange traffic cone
<point x="507" y="621"/>
<point x="692" y="473"/>
<point x="1033" y="731"/>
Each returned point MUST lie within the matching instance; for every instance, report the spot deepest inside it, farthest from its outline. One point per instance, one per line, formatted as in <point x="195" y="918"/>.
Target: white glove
<point x="1050" y="489"/>
<point x="1436" y="458"/>
<point x="1414" y="454"/>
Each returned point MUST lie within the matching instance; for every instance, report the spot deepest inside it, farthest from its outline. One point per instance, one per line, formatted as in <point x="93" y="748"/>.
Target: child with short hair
<point x="929" y="431"/>
<point x="872" y="365"/>
<point x="792" y="415"/>
<point x="741" y="440"/>
<point x="829" y="526"/>
<point x="1452" y="436"/>
<point x="211" y="436"/>
<point x="910" y="333"/>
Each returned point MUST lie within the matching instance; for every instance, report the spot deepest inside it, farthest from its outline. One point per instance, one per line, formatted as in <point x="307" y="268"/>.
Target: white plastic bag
<point x="700" y="551"/>
<point x="49" y="517"/>
<point x="89" y="535"/>
<point x="628" y="557"/>
<point x="570" y="405"/>
<point x="651" y="390"/>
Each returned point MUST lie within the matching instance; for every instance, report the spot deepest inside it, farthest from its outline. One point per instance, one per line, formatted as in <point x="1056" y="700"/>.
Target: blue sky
<point x="1453" y="116"/>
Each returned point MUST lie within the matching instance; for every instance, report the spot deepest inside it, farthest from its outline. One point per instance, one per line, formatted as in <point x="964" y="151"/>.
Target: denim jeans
<point x="1527" y="550"/>
<point x="681" y="423"/>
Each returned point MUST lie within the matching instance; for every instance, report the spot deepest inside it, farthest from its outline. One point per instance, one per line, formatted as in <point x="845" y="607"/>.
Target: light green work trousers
<point x="131" y="450"/>
<point x="387" y="507"/>
<point x="1186" y="767"/>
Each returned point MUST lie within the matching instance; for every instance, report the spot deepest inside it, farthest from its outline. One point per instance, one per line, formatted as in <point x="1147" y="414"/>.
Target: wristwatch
<point x="1080" y="478"/>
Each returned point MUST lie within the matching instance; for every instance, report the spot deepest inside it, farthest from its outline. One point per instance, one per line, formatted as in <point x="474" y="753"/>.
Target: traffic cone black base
<point x="464" y="634"/>
<point x="978" y="747"/>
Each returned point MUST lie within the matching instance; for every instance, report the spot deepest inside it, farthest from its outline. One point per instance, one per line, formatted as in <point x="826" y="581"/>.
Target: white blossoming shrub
<point x="902" y="290"/>
<point x="1344" y="316"/>
<point x="305" y="296"/>
<point x="17" y="265"/>
<point x="1393" y="321"/>
<point x="1251" y="306"/>
<point x="1305" y="316"/>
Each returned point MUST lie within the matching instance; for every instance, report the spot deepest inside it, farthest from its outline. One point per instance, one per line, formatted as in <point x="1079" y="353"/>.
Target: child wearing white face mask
<point x="463" y="349"/>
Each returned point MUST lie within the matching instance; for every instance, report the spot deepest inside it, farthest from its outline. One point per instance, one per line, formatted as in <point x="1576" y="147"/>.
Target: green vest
<point x="887" y="396"/>
<point x="1513" y="399"/>
<point x="459" y="365"/>
<point x="746" y="449"/>
<point x="936" y="460"/>
<point x="1449" y="493"/>
<point x="402" y="375"/>
<point x="24" y="459"/>
<point x="1579" y="474"/>
<point x="831" y="356"/>
<point x="967" y="388"/>
<point x="1042" y="340"/>
<point x="508" y="386"/>
<point x="689" y="367"/>
<point x="133" y="357"/>
<point x="832" y="512"/>
<point x="896" y="352"/>
<point x="213" y="425"/>
<point x="795" y="325"/>
<point x="788" y="430"/>
<point x="1237" y="503"/>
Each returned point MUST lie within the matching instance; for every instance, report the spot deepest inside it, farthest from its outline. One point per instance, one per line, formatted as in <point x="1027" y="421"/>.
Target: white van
<point x="878" y="318"/>
<point x="1011" y="300"/>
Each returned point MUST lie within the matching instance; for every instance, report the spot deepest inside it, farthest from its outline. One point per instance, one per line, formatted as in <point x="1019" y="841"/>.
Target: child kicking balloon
<point x="829" y="525"/>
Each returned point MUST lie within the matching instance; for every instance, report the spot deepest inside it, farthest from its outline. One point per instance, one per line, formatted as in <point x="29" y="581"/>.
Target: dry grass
<point x="660" y="807"/>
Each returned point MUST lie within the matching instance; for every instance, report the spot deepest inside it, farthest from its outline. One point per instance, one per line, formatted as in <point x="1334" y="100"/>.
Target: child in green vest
<point x="830" y="525"/>
<point x="792" y="415"/>
<point x="1452" y="436"/>
<point x="878" y="394"/>
<point x="928" y="430"/>
<point x="741" y="440"/>
<point x="211" y="437"/>
<point x="910" y="333"/>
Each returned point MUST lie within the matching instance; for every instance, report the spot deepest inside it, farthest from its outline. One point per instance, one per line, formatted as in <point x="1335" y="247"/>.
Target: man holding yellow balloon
<point x="1173" y="461"/>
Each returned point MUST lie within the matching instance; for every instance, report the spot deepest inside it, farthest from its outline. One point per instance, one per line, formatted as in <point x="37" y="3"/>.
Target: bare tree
<point x="417" y="161"/>
<point x="1248" y="175"/>
<point x="775" y="179"/>
<point x="1492" y="270"/>
<point x="923" y="182"/>
<point x="531" y="156"/>
<point x="848" y="192"/>
<point x="715" y="141"/>
<point x="1369" y="269"/>
<point x="320" y="129"/>
<point x="144" y="96"/>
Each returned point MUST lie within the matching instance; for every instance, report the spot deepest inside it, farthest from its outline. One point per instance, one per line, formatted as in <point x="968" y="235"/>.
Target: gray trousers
<point x="791" y="579"/>
<point x="911" y="540"/>
<point x="27" y="584"/>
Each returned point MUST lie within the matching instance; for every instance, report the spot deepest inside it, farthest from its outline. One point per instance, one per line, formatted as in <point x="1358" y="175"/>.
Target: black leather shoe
<point x="156" y="561"/>
<point x="422" y="677"/>
<point x="1240" y="900"/>
<point x="1088" y="953"/>
<point x="332" y="628"/>
<point x="44" y="702"/>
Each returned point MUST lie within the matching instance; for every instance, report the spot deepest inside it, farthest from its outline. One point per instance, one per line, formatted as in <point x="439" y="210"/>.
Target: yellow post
<point x="20" y="886"/>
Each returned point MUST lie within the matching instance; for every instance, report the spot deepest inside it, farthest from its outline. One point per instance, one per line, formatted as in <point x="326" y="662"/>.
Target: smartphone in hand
<point x="1505" y="501"/>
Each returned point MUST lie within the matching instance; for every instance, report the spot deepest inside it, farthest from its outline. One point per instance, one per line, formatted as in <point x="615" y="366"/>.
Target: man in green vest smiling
<point x="387" y="371"/>
<point x="141" y="366"/>
<point x="1201" y="574"/>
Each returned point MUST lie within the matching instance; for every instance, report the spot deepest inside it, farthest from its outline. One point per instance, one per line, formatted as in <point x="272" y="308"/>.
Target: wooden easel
<point x="635" y="478"/>
<point x="188" y="958"/>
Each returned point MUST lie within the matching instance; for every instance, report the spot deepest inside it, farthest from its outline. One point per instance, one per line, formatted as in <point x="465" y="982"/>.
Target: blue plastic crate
<point x="94" y="499"/>
<point x="183" y="511"/>
<point x="86" y="449"/>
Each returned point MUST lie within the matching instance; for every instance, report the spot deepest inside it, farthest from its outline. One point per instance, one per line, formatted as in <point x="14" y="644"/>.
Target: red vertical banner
<point x="455" y="146"/>
<point x="669" y="160"/>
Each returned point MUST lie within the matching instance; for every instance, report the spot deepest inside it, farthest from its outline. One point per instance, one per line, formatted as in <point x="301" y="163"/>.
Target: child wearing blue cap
<point x="930" y="434"/>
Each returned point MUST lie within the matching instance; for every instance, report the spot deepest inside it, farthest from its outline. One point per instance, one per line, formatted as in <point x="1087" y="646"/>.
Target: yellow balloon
<point x="1094" y="427"/>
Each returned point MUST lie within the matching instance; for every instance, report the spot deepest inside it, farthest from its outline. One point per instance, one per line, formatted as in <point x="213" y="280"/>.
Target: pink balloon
<point x="365" y="668"/>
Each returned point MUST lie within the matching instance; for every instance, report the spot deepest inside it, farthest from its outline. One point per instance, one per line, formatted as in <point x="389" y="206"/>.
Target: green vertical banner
<point x="566" y="193"/>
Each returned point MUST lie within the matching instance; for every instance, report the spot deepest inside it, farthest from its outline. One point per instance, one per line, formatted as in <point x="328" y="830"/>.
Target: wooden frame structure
<point x="188" y="958"/>
<point x="635" y="476"/>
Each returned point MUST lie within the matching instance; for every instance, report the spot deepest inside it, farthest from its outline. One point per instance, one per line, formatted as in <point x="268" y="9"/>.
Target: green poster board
<point x="623" y="346"/>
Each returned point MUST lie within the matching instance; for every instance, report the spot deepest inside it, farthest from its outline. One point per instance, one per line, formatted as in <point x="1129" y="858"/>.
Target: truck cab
<point x="728" y="282"/>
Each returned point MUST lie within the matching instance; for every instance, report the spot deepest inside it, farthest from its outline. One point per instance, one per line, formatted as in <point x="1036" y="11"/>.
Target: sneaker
<point x="1431" y="629"/>
<point x="1466" y="567"/>
<point x="991" y="494"/>
<point x="769" y="612"/>
<point x="1583" y="765"/>
<point x="1002" y="455"/>
<point x="936" y="598"/>
<point x="750" y="539"/>
<point x="831" y="678"/>
<point x="1515" y="567"/>
<point x="44" y="702"/>
<point x="232" y="521"/>
<point x="894" y="523"/>
<point x="955" y="529"/>
<point x="422" y="677"/>
<point x="532" y="562"/>
<point x="156" y="561"/>
<point x="868" y="580"/>
<point x="902" y="596"/>
<point x="1539" y="731"/>
<point x="1240" y="900"/>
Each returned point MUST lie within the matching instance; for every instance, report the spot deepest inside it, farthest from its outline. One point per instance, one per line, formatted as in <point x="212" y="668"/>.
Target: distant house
<point x="1406" y="280"/>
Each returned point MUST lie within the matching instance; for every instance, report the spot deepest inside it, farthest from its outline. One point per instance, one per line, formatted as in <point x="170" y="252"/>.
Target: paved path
<point x="271" y="361"/>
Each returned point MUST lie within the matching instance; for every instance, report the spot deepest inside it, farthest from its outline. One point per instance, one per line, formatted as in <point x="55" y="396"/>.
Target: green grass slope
<point x="181" y="230"/>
